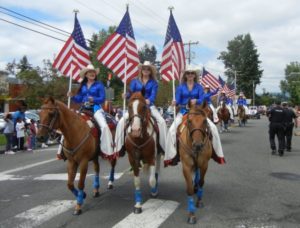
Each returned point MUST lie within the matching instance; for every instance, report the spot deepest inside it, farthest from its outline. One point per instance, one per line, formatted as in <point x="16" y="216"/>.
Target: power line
<point x="35" y="20"/>
<point x="32" y="30"/>
<point x="64" y="34"/>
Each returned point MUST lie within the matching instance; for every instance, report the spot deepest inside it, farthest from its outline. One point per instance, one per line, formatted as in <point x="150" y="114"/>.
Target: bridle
<point x="189" y="134"/>
<point x="142" y="117"/>
<point x="50" y="126"/>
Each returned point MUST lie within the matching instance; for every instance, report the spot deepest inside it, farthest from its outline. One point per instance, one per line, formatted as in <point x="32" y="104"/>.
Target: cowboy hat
<point x="206" y="87"/>
<point x="88" y="68"/>
<point x="190" y="68"/>
<point x="151" y="67"/>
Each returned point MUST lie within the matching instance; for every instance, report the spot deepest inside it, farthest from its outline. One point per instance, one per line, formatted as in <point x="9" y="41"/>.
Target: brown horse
<point x="79" y="146"/>
<point x="195" y="149"/>
<point x="224" y="116"/>
<point x="141" y="146"/>
<point x="241" y="115"/>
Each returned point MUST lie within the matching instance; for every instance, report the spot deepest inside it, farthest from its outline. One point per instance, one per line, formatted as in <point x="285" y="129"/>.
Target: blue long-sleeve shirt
<point x="150" y="89"/>
<point x="208" y="95"/>
<point x="96" y="90"/>
<point x="224" y="99"/>
<point x="183" y="95"/>
<point x="241" y="101"/>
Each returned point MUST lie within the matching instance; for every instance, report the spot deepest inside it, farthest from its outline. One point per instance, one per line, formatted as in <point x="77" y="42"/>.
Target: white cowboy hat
<point x="206" y="87"/>
<point x="88" y="68"/>
<point x="190" y="68"/>
<point x="151" y="66"/>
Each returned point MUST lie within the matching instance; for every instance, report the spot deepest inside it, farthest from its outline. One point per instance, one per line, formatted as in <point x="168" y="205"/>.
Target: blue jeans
<point x="9" y="140"/>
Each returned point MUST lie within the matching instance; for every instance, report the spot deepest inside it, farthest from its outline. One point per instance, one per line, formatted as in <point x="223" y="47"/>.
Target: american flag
<point x="120" y="48"/>
<point x="209" y="79"/>
<point x="74" y="53"/>
<point x="173" y="53"/>
<point x="229" y="89"/>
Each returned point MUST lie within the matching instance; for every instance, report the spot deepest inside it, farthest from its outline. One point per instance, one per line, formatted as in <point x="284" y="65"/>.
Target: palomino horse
<point x="224" y="116"/>
<point x="141" y="146"/>
<point x="81" y="145"/>
<point x="241" y="115"/>
<point x="195" y="149"/>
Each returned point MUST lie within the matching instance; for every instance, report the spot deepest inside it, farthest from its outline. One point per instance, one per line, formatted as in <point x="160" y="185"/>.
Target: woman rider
<point x="242" y="101"/>
<point x="92" y="94"/>
<point x="208" y="94"/>
<point x="224" y="98"/>
<point x="146" y="81"/>
<point x="189" y="90"/>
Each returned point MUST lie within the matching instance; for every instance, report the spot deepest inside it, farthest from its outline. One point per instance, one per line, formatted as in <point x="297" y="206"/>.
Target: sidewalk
<point x="2" y="147"/>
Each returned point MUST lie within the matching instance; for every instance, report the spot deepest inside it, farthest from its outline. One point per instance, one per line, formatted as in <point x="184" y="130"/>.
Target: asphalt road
<point x="253" y="189"/>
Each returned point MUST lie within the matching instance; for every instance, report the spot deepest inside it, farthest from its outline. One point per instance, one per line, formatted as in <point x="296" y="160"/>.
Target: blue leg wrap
<point x="200" y="193"/>
<point x="154" y="190"/>
<point x="112" y="175"/>
<point x="191" y="204"/>
<point x="75" y="192"/>
<point x="138" y="196"/>
<point x="80" y="197"/>
<point x="197" y="177"/>
<point x="96" y="182"/>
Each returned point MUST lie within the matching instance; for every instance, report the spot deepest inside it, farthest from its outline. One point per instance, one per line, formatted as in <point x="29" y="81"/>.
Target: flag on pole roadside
<point x="74" y="53"/>
<point x="229" y="89"/>
<point x="173" y="53"/>
<point x="119" y="48"/>
<point x="209" y="79"/>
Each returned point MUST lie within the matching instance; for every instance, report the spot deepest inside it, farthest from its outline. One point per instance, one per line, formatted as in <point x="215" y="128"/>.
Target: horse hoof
<point x="154" y="194"/>
<point x="96" y="194"/>
<point x="77" y="212"/>
<point x="199" y="204"/>
<point x="192" y="220"/>
<point x="137" y="210"/>
<point x="110" y="186"/>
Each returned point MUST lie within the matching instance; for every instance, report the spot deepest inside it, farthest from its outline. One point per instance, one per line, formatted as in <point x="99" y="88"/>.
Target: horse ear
<point x="189" y="104"/>
<point x="49" y="99"/>
<point x="143" y="91"/>
<point x="204" y="104"/>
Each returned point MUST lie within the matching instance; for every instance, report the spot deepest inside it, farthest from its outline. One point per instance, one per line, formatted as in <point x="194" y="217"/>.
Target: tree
<point x="24" y="64"/>
<point x="147" y="53"/>
<point x="291" y="84"/>
<point x="242" y="58"/>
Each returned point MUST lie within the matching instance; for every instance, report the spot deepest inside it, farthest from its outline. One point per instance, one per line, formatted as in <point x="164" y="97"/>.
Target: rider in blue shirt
<point x="92" y="94"/>
<point x="188" y="91"/>
<point x="207" y="96"/>
<point x="224" y="98"/>
<point x="242" y="101"/>
<point x="146" y="81"/>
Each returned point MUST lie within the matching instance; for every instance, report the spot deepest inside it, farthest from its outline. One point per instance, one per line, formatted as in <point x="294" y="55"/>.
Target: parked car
<point x="2" y="122"/>
<point x="31" y="115"/>
<point x="254" y="114"/>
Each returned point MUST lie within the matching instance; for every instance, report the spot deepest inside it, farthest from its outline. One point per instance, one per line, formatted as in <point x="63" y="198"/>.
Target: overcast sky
<point x="273" y="25"/>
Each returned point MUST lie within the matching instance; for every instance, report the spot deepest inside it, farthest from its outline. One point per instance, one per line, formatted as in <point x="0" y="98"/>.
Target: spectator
<point x="20" y="113"/>
<point x="33" y="133"/>
<point x="290" y="119"/>
<point x="20" y="130"/>
<point x="8" y="132"/>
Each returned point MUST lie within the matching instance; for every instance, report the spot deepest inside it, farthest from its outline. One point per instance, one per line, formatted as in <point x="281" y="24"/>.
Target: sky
<point x="273" y="25"/>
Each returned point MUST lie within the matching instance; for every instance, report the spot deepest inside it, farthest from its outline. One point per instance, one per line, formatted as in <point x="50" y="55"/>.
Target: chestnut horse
<point x="224" y="116"/>
<point x="81" y="145"/>
<point x="195" y="149"/>
<point x="141" y="146"/>
<point x="241" y="115"/>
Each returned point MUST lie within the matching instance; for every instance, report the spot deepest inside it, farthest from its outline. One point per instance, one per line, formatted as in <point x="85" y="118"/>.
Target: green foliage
<point x="291" y="84"/>
<point x="243" y="58"/>
<point x="147" y="53"/>
<point x="164" y="94"/>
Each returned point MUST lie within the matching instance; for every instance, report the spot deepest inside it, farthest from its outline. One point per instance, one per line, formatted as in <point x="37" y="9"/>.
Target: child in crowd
<point x="20" y="129"/>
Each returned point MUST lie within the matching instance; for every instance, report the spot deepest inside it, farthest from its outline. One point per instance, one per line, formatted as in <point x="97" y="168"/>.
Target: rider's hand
<point x="173" y="103"/>
<point x="193" y="101"/>
<point x="147" y="102"/>
<point x="70" y="94"/>
<point x="91" y="99"/>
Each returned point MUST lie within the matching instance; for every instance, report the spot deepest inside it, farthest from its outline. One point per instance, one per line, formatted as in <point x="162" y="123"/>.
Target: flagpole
<point x="125" y="76"/>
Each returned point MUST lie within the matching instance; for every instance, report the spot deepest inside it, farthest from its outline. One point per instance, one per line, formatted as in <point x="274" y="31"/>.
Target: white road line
<point x="27" y="166"/>
<point x="38" y="215"/>
<point x="155" y="212"/>
<point x="57" y="176"/>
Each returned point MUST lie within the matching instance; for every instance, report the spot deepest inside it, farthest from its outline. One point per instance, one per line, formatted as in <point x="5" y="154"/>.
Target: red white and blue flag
<point x="229" y="89"/>
<point x="74" y="54"/>
<point x="173" y="57"/>
<point x="119" y="52"/>
<point x="209" y="79"/>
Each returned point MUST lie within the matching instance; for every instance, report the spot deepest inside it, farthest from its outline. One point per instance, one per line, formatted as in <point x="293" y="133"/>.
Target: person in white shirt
<point x="8" y="132"/>
<point x="20" y="129"/>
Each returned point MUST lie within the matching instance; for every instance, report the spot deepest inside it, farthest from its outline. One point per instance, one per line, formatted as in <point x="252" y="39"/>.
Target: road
<point x="253" y="189"/>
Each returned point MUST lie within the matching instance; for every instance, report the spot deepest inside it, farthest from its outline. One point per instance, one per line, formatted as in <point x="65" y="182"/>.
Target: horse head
<point x="139" y="114"/>
<point x="49" y="116"/>
<point x="197" y="126"/>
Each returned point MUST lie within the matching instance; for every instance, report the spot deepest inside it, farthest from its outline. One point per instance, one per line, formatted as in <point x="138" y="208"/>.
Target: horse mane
<point x="137" y="95"/>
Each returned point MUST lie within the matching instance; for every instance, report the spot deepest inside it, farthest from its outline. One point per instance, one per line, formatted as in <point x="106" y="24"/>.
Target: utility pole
<point x="189" y="49"/>
<point x="253" y="93"/>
